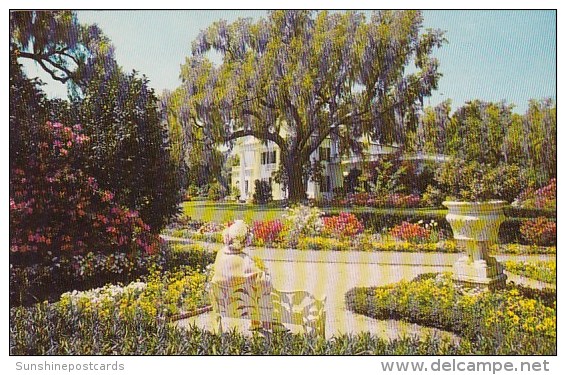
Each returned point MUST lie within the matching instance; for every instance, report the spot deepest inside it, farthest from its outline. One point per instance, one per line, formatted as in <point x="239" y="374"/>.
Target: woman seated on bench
<point x="234" y="268"/>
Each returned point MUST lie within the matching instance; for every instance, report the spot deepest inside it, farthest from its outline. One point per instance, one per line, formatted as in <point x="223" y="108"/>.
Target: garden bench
<point x="247" y="300"/>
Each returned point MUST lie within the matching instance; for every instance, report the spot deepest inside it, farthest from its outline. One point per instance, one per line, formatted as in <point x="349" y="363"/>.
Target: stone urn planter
<point x="475" y="226"/>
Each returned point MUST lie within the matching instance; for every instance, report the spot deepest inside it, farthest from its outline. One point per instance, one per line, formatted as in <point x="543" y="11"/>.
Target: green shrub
<point x="191" y="192"/>
<point x="216" y="191"/>
<point x="505" y="322"/>
<point x="432" y="197"/>
<point x="475" y="181"/>
<point x="192" y="255"/>
<point x="521" y="212"/>
<point x="538" y="270"/>
<point x="48" y="330"/>
<point x="47" y="281"/>
<point x="262" y="192"/>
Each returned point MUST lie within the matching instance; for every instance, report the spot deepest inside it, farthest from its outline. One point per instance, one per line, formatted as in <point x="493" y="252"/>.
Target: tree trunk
<point x="296" y="184"/>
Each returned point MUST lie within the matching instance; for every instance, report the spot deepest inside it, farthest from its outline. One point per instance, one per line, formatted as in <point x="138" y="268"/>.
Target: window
<point x="269" y="157"/>
<point x="324" y="153"/>
<point x="246" y="186"/>
<point x="325" y="184"/>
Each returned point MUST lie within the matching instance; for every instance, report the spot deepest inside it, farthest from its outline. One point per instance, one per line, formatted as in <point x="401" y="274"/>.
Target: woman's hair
<point x="237" y="235"/>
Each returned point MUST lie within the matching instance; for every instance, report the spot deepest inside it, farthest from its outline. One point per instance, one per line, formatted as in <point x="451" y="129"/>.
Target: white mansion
<point x="258" y="161"/>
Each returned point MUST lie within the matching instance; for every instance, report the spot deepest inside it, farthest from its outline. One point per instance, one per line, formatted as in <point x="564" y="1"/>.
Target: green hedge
<point x="514" y="321"/>
<point x="45" y="330"/>
<point x="518" y="212"/>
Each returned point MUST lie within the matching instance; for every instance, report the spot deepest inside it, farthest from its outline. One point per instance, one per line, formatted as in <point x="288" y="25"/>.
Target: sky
<point x="491" y="55"/>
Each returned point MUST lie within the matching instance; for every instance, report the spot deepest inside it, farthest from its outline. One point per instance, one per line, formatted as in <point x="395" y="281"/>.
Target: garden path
<point x="333" y="273"/>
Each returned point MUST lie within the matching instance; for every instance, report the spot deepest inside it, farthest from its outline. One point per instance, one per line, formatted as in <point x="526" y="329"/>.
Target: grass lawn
<point x="221" y="212"/>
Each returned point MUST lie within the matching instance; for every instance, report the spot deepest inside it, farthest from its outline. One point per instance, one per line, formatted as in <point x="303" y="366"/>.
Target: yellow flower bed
<point x="515" y="320"/>
<point x="163" y="295"/>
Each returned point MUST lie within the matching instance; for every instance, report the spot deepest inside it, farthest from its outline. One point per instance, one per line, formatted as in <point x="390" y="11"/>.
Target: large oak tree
<point x="298" y="77"/>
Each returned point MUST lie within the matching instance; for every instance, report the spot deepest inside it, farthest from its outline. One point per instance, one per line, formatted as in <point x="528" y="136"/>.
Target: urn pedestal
<point x="475" y="226"/>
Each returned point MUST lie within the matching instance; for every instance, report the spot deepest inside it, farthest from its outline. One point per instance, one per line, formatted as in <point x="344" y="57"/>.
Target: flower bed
<point x="162" y="295"/>
<point x="540" y="270"/>
<point x="366" y="244"/>
<point x="267" y="232"/>
<point x="31" y="284"/>
<point x="343" y="225"/>
<point x="506" y="322"/>
<point x="543" y="198"/>
<point x="540" y="231"/>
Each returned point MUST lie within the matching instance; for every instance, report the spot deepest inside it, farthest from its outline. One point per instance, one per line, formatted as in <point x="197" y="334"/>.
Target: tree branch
<point x="274" y="137"/>
<point x="41" y="59"/>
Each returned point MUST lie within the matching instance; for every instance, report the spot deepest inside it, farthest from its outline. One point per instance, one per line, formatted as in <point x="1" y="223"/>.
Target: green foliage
<point x="262" y="192"/>
<point x="538" y="270"/>
<point x="489" y="133"/>
<point x="235" y="191"/>
<point x="434" y="124"/>
<point x="216" y="191"/>
<point x="538" y="139"/>
<point x="432" y="197"/>
<point x="51" y="330"/>
<point x="65" y="49"/>
<point x="475" y="181"/>
<point x="179" y="256"/>
<point x="506" y="322"/>
<point x="191" y="192"/>
<point x="386" y="177"/>
<point x="476" y="131"/>
<point x="129" y="152"/>
<point x="28" y="108"/>
<point x="319" y="55"/>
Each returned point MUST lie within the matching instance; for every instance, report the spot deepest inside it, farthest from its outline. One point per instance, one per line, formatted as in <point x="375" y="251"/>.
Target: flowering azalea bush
<point x="543" y="198"/>
<point x="540" y="231"/>
<point x="411" y="232"/>
<point x="57" y="209"/>
<point x="267" y="232"/>
<point x="343" y="225"/>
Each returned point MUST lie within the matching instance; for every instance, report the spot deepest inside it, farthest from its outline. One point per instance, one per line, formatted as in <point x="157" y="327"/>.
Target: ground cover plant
<point x="538" y="270"/>
<point x="55" y="329"/>
<point x="512" y="321"/>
